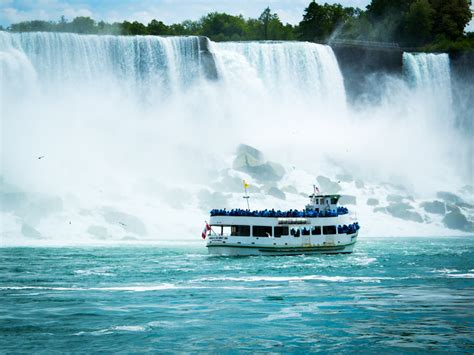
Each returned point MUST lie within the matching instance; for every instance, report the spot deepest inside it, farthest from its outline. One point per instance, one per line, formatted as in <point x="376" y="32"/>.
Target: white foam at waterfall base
<point x="109" y="138"/>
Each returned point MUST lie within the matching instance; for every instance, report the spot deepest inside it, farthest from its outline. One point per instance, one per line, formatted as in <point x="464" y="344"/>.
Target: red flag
<point x="206" y="229"/>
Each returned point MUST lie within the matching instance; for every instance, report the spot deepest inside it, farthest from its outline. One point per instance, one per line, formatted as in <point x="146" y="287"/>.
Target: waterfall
<point x="293" y="68"/>
<point x="430" y="74"/>
<point x="429" y="71"/>
<point x="146" y="66"/>
<point x="100" y="128"/>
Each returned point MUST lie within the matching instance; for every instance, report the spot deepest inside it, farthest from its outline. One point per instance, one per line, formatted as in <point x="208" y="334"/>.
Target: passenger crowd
<point x="350" y="229"/>
<point x="272" y="213"/>
<point x="341" y="229"/>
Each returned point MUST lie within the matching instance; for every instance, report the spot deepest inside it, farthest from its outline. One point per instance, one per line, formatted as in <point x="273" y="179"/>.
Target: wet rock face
<point x="30" y="232"/>
<point x="359" y="184"/>
<point x="395" y="198"/>
<point x="372" y="202"/>
<point x="327" y="186"/>
<point x="250" y="151"/>
<point x="380" y="209"/>
<point x="456" y="220"/>
<point x="401" y="210"/>
<point x="127" y="221"/>
<point x="275" y="192"/>
<point x="348" y="200"/>
<point x="208" y="61"/>
<point x="404" y="211"/>
<point x="251" y="161"/>
<point x="448" y="197"/>
<point x="436" y="207"/>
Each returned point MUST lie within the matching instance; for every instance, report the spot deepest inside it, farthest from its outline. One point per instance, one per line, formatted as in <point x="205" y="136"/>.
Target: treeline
<point x="430" y="24"/>
<point x="217" y="26"/>
<point x="426" y="24"/>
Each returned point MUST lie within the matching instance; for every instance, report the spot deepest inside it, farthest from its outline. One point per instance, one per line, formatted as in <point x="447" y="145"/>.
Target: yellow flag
<point x="246" y="185"/>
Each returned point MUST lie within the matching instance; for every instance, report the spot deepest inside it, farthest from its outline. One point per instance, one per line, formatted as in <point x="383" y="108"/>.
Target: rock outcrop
<point x="251" y="161"/>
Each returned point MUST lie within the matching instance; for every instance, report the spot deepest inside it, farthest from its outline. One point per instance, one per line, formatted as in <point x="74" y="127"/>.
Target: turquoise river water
<point x="391" y="295"/>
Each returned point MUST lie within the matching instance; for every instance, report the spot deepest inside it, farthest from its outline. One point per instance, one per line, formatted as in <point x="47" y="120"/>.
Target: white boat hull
<point x="267" y="247"/>
<point x="244" y="251"/>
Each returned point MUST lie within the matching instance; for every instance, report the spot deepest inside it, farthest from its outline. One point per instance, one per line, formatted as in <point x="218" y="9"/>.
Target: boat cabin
<point x="320" y="202"/>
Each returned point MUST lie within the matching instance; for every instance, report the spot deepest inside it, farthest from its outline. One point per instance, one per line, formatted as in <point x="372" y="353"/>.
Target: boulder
<point x="252" y="162"/>
<point x="128" y="222"/>
<point x="254" y="153"/>
<point x="348" y="200"/>
<point x="436" y="207"/>
<point x="278" y="169"/>
<point x="275" y="192"/>
<point x="456" y="220"/>
<point x="327" y="186"/>
<point x="395" y="198"/>
<point x="448" y="197"/>
<point x="264" y="172"/>
<point x="403" y="211"/>
<point x="244" y="161"/>
<point x="372" y="202"/>
<point x="30" y="232"/>
<point x="452" y="208"/>
<point x="463" y="204"/>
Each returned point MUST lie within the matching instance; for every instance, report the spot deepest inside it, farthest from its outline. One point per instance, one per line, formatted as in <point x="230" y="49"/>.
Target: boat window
<point x="279" y="231"/>
<point x="241" y="231"/>
<point x="333" y="200"/>
<point x="305" y="231"/>
<point x="295" y="232"/>
<point x="329" y="229"/>
<point x="316" y="230"/>
<point x="262" y="231"/>
<point x="220" y="230"/>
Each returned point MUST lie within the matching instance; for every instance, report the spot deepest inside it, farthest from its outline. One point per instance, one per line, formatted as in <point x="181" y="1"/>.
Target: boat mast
<point x="246" y="185"/>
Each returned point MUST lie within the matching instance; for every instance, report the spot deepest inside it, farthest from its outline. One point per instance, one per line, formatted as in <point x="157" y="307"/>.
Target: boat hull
<point x="240" y="250"/>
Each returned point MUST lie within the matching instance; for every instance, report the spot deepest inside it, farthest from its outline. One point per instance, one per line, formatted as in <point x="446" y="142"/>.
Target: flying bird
<point x="41" y="157"/>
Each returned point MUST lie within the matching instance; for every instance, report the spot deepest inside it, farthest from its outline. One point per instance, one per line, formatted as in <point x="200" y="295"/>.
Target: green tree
<point x="157" y="28"/>
<point x="221" y="26"/>
<point x="265" y="19"/>
<point x="320" y="21"/>
<point x="133" y="28"/>
<point x="451" y="18"/>
<point x="30" y="26"/>
<point x="83" y="24"/>
<point x="419" y="22"/>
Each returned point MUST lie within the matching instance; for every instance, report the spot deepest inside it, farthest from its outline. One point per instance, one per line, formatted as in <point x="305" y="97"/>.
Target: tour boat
<point x="323" y="227"/>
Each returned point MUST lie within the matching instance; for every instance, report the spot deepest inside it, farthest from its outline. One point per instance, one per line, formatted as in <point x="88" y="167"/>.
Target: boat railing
<point x="281" y="214"/>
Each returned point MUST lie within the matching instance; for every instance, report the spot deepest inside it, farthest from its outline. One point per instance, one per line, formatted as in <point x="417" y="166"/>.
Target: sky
<point x="168" y="11"/>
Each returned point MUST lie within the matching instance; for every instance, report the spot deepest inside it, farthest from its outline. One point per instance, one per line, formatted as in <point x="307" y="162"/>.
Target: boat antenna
<point x="246" y="185"/>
